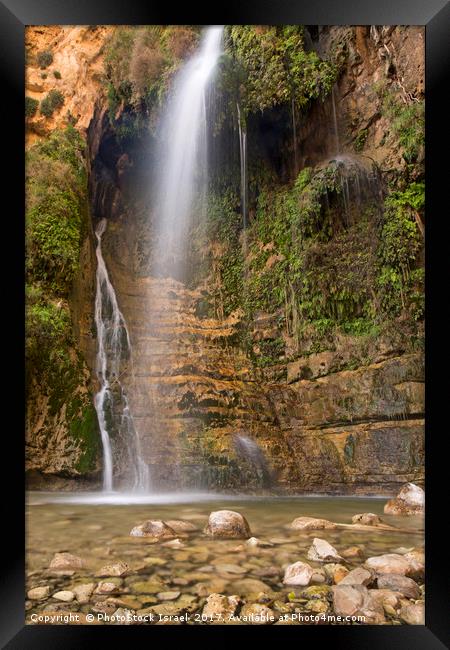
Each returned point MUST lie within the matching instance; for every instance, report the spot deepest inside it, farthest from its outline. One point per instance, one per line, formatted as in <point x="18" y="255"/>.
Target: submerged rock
<point x="311" y="523"/>
<point x="38" y="593"/>
<point x="227" y="523"/>
<point x="153" y="528"/>
<point x="66" y="561"/>
<point x="367" y="519"/>
<point x="322" y="551"/>
<point x="181" y="526"/>
<point x="298" y="573"/>
<point x="168" y="595"/>
<point x="352" y="552"/>
<point x="83" y="592"/>
<point x="409" y="501"/>
<point x="66" y="596"/>
<point x="117" y="569"/>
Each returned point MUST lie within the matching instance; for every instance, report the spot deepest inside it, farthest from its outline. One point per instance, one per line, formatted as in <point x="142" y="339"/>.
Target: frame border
<point x="435" y="16"/>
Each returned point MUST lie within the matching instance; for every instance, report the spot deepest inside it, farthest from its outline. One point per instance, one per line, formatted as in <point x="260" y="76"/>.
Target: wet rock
<point x="220" y="607"/>
<point x="168" y="595"/>
<point x="255" y="542"/>
<point x="298" y="573"/>
<point x="122" y="616"/>
<point x="409" y="501"/>
<point x="311" y="523"/>
<point x="358" y="576"/>
<point x="103" y="607"/>
<point x="107" y="588"/>
<point x="322" y="551"/>
<point x="63" y="562"/>
<point x="267" y="572"/>
<point x="353" y="552"/>
<point x="152" y="586"/>
<point x="83" y="592"/>
<point x="230" y="568"/>
<point x="256" y="614"/>
<point x="174" y="543"/>
<point x="388" y="563"/>
<point x="402" y="584"/>
<point x="228" y="524"/>
<point x="116" y="569"/>
<point x="38" y="593"/>
<point x="367" y="519"/>
<point x="356" y="600"/>
<point x="317" y="606"/>
<point x="153" y="528"/>
<point x="336" y="572"/>
<point x="386" y="597"/>
<point x="416" y="563"/>
<point x="128" y="602"/>
<point x="154" y="561"/>
<point x="247" y="586"/>
<point x="66" y="596"/>
<point x="181" y="526"/>
<point x="316" y="591"/>
<point x="413" y="614"/>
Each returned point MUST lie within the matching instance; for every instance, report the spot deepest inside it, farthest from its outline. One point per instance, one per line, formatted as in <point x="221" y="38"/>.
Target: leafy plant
<point x="44" y="59"/>
<point x="31" y="106"/>
<point x="53" y="101"/>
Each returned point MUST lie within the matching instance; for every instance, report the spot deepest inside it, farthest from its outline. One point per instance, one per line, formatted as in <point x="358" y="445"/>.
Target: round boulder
<point x="228" y="524"/>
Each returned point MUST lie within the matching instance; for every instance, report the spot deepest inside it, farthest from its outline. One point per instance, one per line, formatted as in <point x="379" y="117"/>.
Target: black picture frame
<point x="435" y="16"/>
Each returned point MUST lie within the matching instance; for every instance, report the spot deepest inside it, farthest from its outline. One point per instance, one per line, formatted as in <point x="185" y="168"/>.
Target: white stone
<point x="298" y="573"/>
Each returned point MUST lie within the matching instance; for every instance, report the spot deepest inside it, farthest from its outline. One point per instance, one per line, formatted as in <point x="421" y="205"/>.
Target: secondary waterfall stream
<point x="111" y="403"/>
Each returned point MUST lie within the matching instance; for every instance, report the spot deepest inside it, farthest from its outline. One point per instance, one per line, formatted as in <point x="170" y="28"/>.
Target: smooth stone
<point x="353" y="552"/>
<point x="311" y="523"/>
<point x="358" y="576"/>
<point x="107" y="588"/>
<point x="356" y="600"/>
<point x="38" y="593"/>
<point x="66" y="596"/>
<point x="402" y="584"/>
<point x="298" y="573"/>
<point x="153" y="528"/>
<point x="416" y="563"/>
<point x="257" y="614"/>
<point x="220" y="607"/>
<point x="168" y="595"/>
<point x="63" y="561"/>
<point x="174" y="543"/>
<point x="322" y="551"/>
<point x="154" y="561"/>
<point x="255" y="542"/>
<point x="230" y="568"/>
<point x="245" y="586"/>
<point x="227" y="524"/>
<point x="129" y="602"/>
<point x="388" y="563"/>
<point x="116" y="569"/>
<point x="367" y="519"/>
<point x="412" y="494"/>
<point x="147" y="587"/>
<point x="336" y="572"/>
<point x="83" y="592"/>
<point x="181" y="526"/>
<point x="413" y="614"/>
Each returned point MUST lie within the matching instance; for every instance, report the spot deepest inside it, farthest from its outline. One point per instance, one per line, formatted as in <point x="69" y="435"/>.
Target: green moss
<point x="360" y="140"/>
<point x="84" y="429"/>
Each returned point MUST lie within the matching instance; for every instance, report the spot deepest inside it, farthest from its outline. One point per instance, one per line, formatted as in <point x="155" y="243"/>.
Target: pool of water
<point x="96" y="527"/>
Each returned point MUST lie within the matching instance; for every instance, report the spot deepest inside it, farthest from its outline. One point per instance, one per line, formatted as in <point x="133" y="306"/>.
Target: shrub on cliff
<point x="31" y="106"/>
<point x="44" y="59"/>
<point x="50" y="103"/>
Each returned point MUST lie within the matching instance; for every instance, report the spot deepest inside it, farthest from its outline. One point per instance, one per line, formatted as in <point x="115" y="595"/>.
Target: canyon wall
<point x="340" y="411"/>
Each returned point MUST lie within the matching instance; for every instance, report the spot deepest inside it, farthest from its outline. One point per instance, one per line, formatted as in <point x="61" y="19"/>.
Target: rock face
<point x="227" y="523"/>
<point x="298" y="573"/>
<point x="310" y="523"/>
<point x="153" y="528"/>
<point x="322" y="551"/>
<point x="409" y="501"/>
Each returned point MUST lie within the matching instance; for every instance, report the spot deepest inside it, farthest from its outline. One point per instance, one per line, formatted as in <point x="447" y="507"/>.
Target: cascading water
<point x="182" y="155"/>
<point x="243" y="160"/>
<point x="110" y="401"/>
<point x="252" y="453"/>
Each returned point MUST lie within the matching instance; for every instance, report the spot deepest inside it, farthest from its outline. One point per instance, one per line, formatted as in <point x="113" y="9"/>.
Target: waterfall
<point x="252" y="453"/>
<point x="335" y="124"/>
<point x="113" y="343"/>
<point x="243" y="160"/>
<point x="182" y="155"/>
